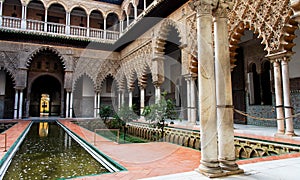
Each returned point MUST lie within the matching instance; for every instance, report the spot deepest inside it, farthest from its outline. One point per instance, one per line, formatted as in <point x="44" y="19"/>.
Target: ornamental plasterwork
<point x="9" y="61"/>
<point x="265" y="17"/>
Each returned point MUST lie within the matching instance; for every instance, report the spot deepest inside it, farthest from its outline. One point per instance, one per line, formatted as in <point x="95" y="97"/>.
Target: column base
<point x="229" y="165"/>
<point x="290" y="134"/>
<point x="210" y="169"/>
<point x="279" y="133"/>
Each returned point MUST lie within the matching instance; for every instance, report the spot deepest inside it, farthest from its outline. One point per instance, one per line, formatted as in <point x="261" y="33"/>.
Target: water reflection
<point x="51" y="157"/>
<point x="43" y="129"/>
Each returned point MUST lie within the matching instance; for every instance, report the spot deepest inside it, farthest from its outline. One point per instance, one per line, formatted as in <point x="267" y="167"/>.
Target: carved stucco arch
<point x="163" y="31"/>
<point x="107" y="69"/>
<point x="79" y="77"/>
<point x="44" y="48"/>
<point x="267" y="18"/>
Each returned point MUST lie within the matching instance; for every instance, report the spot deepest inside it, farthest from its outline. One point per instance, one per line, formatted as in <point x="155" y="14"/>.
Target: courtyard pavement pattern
<point x="159" y="160"/>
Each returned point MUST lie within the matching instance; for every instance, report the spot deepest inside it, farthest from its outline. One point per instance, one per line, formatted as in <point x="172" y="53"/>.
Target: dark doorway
<point x="45" y="85"/>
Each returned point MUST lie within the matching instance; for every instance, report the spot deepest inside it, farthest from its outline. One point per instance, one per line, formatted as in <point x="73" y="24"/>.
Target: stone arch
<point x="164" y="29"/>
<point x="60" y="2"/>
<point x="42" y="1"/>
<point x="288" y="35"/>
<point x="37" y="51"/>
<point x="36" y="77"/>
<point x="101" y="78"/>
<point x="132" y="78"/>
<point x="96" y="9"/>
<point x="79" y="6"/>
<point x="268" y="19"/>
<point x="80" y="76"/>
<point x="112" y="12"/>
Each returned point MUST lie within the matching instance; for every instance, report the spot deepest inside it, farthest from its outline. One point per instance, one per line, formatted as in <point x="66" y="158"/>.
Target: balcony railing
<point x="11" y="22"/>
<point x="56" y="28"/>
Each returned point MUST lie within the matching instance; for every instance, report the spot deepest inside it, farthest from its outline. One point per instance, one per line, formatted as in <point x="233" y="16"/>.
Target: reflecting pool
<point x="48" y="152"/>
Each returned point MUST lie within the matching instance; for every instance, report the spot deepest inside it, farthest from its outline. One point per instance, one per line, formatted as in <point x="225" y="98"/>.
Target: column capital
<point x="223" y="8"/>
<point x="203" y="6"/>
<point x="280" y="56"/>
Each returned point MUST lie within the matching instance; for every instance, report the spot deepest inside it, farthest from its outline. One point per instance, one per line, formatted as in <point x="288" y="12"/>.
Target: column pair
<point x="69" y="104"/>
<point x="215" y="94"/>
<point x="18" y="106"/>
<point x="282" y="94"/>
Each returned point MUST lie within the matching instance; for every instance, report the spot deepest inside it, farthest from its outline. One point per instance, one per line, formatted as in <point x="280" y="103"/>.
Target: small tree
<point x="157" y="113"/>
<point x="105" y="112"/>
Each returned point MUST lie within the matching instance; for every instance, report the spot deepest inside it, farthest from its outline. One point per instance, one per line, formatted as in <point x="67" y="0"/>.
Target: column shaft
<point x="1" y="12"/>
<point x="287" y="98"/>
<point x="188" y="84"/>
<point x="278" y="97"/>
<point x="95" y="105"/>
<point x="157" y="94"/>
<point x="123" y="98"/>
<point x="21" y="104"/>
<point x="193" y="110"/>
<point x="46" y="20"/>
<point x="98" y="103"/>
<point x="130" y="99"/>
<point x="224" y="96"/>
<point x="16" y="104"/>
<point x="207" y="96"/>
<point x="68" y="21"/>
<point x="142" y="105"/>
<point x="104" y="28"/>
<point x="71" y="104"/>
<point x="67" y="104"/>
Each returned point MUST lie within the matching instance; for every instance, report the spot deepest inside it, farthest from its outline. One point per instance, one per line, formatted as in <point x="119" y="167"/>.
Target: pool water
<point x="48" y="152"/>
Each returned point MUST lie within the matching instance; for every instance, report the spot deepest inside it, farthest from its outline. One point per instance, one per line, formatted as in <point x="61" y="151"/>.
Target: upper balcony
<point x="94" y="24"/>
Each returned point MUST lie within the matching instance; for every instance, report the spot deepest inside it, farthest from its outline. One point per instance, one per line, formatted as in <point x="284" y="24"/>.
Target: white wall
<point x="87" y="89"/>
<point x="294" y="65"/>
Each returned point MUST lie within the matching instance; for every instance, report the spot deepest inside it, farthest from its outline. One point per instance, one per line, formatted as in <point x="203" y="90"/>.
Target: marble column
<point x="46" y="20"/>
<point x="21" y="104"/>
<point x="130" y="99"/>
<point x="157" y="93"/>
<point x="209" y="164"/>
<point x="278" y="96"/>
<point x="16" y="104"/>
<point x="24" y="13"/>
<point x="287" y="97"/>
<point x="193" y="109"/>
<point x="68" y="22"/>
<point x="224" y="90"/>
<point x="135" y="11"/>
<point x="95" y="104"/>
<point x="67" y="104"/>
<point x="104" y="28"/>
<point x="71" y="104"/>
<point x="98" y="103"/>
<point x="88" y="25"/>
<point x="142" y="103"/>
<point x="123" y="98"/>
<point x="188" y="84"/>
<point x="145" y="4"/>
<point x="1" y="12"/>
